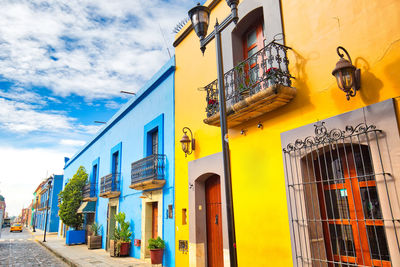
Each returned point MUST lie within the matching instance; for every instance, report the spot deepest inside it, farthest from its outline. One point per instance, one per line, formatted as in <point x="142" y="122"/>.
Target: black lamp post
<point x="34" y="215"/>
<point x="200" y="16"/>
<point x="47" y="209"/>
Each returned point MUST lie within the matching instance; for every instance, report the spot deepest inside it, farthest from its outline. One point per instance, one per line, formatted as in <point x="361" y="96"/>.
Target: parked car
<point x="16" y="227"/>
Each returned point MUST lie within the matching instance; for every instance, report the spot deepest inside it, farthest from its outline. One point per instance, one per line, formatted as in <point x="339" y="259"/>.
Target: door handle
<point x="216" y="219"/>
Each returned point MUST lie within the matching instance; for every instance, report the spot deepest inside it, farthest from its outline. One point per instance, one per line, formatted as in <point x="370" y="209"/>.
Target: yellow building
<point x="315" y="177"/>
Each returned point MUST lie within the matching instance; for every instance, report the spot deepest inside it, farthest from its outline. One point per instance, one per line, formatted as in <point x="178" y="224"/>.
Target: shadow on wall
<point x="370" y="84"/>
<point x="301" y="78"/>
<point x="392" y="72"/>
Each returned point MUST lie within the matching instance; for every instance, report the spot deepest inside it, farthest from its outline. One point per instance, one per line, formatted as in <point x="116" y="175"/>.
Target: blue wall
<point x="52" y="217"/>
<point x="153" y="106"/>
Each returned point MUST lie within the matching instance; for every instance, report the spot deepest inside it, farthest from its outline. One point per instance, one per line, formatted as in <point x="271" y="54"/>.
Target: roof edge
<point x="164" y="72"/>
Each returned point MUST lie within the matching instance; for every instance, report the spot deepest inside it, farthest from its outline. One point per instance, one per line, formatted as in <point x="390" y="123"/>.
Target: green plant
<point x="71" y="198"/>
<point x="95" y="227"/>
<point x="156" y="243"/>
<point x="122" y="232"/>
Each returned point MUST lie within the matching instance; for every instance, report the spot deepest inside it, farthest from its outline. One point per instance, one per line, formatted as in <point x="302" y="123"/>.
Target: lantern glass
<point x="345" y="78"/>
<point x="200" y="16"/>
<point x="185" y="147"/>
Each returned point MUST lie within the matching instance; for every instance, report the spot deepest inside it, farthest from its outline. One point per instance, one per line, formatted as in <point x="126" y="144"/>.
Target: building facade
<point x="47" y="204"/>
<point x="313" y="174"/>
<point x="131" y="169"/>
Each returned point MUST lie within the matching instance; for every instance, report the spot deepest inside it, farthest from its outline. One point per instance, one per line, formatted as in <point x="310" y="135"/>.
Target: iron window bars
<point x="110" y="183"/>
<point x="151" y="167"/>
<point x="266" y="67"/>
<point x="335" y="206"/>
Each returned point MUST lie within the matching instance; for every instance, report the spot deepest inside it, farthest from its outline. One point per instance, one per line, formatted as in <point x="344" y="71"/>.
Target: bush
<point x="156" y="243"/>
<point x="71" y="198"/>
<point x="95" y="227"/>
<point x="122" y="232"/>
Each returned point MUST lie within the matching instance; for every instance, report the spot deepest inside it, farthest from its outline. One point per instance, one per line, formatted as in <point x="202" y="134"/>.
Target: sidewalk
<point x="80" y="255"/>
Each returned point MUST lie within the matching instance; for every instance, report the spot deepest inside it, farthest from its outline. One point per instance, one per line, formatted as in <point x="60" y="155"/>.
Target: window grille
<point x="335" y="197"/>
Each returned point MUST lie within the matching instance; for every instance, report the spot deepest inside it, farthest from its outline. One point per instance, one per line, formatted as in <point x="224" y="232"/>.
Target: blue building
<point x="130" y="163"/>
<point x="43" y="194"/>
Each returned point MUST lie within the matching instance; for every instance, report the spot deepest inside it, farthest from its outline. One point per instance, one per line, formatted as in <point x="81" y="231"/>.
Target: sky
<point x="63" y="64"/>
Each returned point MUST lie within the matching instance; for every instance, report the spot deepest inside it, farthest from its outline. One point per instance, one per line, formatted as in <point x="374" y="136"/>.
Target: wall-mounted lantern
<point x="348" y="77"/>
<point x="188" y="144"/>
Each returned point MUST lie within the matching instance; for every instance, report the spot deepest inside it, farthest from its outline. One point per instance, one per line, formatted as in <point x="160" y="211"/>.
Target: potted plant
<point x="273" y="74"/>
<point x="94" y="241"/>
<point x="156" y="247"/>
<point x="122" y="237"/>
<point x="71" y="198"/>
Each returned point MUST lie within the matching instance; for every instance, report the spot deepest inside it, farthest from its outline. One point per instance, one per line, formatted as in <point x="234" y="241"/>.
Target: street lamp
<point x="34" y="215"/>
<point x="199" y="17"/>
<point x="47" y="208"/>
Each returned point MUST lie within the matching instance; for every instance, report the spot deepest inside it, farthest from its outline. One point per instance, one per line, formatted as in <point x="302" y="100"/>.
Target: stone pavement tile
<point x="80" y="255"/>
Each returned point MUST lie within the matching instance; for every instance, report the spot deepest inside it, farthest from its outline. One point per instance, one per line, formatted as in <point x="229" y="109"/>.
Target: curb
<point x="69" y="262"/>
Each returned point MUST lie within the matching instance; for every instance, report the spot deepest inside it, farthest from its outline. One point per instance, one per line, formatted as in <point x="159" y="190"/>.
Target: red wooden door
<point x="154" y="220"/>
<point x="214" y="222"/>
<point x="350" y="209"/>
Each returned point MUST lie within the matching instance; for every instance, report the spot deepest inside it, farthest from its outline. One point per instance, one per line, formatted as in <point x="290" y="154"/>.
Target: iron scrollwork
<point x="324" y="136"/>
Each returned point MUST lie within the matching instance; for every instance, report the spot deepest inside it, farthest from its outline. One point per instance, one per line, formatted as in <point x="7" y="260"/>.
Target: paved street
<point x="20" y="249"/>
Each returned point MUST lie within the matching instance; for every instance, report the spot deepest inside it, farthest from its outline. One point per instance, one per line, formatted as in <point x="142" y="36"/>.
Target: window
<point x="154" y="142"/>
<point x="115" y="163"/>
<point x="253" y="40"/>
<point x="334" y="202"/>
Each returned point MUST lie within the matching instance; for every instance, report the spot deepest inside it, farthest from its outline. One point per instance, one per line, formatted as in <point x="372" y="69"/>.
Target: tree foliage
<point x="71" y="198"/>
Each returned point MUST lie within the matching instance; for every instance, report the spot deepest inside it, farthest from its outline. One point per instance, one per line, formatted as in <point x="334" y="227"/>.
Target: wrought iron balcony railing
<point x="151" y="167"/>
<point x="109" y="183"/>
<point x="265" y="68"/>
<point x="89" y="191"/>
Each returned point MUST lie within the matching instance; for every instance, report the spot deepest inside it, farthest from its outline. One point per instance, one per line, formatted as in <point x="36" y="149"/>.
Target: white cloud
<point x="21" y="172"/>
<point x="91" y="48"/>
<point x="70" y="142"/>
<point x="24" y="118"/>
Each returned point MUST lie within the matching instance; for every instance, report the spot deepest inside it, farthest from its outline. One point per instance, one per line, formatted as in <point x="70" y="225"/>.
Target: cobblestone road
<point x="19" y="249"/>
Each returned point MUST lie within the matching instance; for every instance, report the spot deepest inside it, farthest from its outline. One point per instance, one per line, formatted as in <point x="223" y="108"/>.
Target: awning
<point x="87" y="207"/>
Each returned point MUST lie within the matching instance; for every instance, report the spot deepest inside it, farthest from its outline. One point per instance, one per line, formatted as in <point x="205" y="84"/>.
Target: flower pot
<point x="75" y="237"/>
<point x="125" y="248"/>
<point x="113" y="248"/>
<point x="156" y="255"/>
<point x="94" y="241"/>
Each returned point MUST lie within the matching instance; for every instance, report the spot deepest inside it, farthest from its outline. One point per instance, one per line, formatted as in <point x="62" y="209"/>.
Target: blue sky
<point x="62" y="67"/>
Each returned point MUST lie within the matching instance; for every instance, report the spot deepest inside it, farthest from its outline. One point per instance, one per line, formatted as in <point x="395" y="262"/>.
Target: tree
<point x="71" y="198"/>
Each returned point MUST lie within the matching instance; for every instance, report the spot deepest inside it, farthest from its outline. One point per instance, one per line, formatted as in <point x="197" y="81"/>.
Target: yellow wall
<point x="369" y="30"/>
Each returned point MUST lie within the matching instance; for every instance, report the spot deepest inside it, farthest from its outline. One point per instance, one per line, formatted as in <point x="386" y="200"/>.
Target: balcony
<point x="258" y="85"/>
<point x="58" y="201"/>
<point x="148" y="173"/>
<point x="42" y="206"/>
<point x="89" y="192"/>
<point x="109" y="185"/>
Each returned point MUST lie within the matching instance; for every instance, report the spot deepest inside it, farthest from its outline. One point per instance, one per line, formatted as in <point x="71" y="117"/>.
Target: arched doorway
<point x="214" y="221"/>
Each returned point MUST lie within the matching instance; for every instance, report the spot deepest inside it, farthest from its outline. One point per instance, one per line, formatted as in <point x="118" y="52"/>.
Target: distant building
<point x="2" y="206"/>
<point x="51" y="207"/>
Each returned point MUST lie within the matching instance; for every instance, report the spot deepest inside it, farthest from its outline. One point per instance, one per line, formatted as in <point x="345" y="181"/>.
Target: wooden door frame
<point x="146" y="227"/>
<point x="199" y="171"/>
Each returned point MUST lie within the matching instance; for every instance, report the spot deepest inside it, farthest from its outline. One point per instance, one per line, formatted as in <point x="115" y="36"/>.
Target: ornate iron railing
<point x="151" y="167"/>
<point x="89" y="190"/>
<point x="109" y="183"/>
<point x="263" y="69"/>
